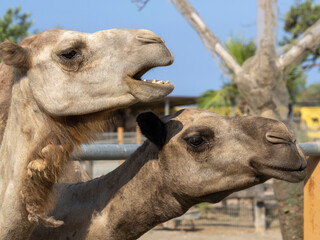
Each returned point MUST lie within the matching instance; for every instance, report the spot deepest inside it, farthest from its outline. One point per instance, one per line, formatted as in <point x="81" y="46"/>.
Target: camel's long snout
<point x="286" y="137"/>
<point x="286" y="159"/>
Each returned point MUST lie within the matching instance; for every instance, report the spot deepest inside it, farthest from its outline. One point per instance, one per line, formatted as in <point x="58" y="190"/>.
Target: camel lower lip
<point x="147" y="91"/>
<point x="286" y="174"/>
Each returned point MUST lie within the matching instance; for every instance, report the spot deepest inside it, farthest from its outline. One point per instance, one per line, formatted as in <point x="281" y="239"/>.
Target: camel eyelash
<point x="70" y="54"/>
<point x="71" y="59"/>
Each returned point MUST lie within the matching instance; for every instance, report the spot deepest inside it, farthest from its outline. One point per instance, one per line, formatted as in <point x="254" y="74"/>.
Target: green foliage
<point x="301" y="16"/>
<point x="14" y="25"/>
<point x="310" y="94"/>
<point x="296" y="81"/>
<point x="204" y="208"/>
<point x="219" y="98"/>
<point x="241" y="49"/>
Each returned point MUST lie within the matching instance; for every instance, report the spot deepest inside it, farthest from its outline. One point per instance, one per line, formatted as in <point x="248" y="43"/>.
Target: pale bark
<point x="309" y="41"/>
<point x="260" y="81"/>
<point x="211" y="42"/>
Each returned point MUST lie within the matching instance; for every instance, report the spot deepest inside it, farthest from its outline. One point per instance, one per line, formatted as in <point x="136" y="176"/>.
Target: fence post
<point x="259" y="215"/>
<point x="312" y="200"/>
<point x="138" y="135"/>
<point x="259" y="209"/>
<point x="120" y="131"/>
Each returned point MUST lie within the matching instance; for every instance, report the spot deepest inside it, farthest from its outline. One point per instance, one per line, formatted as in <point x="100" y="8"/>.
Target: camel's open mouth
<point x="148" y="90"/>
<point x="139" y="75"/>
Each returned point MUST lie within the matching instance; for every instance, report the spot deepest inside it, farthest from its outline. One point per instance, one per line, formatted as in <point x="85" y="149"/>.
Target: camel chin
<point x="290" y="175"/>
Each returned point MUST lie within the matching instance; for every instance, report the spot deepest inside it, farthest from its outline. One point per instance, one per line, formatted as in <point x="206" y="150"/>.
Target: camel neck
<point x="140" y="198"/>
<point x="24" y="131"/>
<point x="123" y="204"/>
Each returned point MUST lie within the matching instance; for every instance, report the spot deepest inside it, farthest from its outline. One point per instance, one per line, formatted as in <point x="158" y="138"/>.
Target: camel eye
<point x="70" y="55"/>
<point x="196" y="141"/>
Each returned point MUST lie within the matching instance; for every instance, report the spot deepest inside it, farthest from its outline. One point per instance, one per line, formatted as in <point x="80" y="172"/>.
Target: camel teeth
<point x="156" y="81"/>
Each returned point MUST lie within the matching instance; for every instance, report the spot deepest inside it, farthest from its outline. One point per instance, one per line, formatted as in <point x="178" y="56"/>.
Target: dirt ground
<point x="212" y="234"/>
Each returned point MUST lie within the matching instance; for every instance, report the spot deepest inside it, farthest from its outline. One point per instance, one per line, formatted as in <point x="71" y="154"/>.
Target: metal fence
<point x="244" y="209"/>
<point x="123" y="151"/>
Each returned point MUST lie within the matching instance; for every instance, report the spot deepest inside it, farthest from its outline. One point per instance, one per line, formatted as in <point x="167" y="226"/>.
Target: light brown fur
<point x="48" y="159"/>
<point x="51" y="102"/>
<point x="6" y="81"/>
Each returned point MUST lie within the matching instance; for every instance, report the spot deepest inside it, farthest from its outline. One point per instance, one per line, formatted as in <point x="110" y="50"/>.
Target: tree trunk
<point x="261" y="82"/>
<point x="290" y="205"/>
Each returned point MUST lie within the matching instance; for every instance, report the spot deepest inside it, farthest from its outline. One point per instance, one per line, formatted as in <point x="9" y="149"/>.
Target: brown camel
<point x="60" y="86"/>
<point x="190" y="157"/>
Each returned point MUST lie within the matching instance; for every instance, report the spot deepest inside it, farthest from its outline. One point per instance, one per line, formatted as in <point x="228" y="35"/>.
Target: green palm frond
<point x="219" y="98"/>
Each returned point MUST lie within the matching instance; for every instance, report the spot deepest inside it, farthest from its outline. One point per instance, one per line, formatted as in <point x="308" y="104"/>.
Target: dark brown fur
<point x="162" y="180"/>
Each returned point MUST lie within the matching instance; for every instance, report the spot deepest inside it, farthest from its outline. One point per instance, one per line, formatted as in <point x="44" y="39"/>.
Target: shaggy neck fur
<point x="140" y="200"/>
<point x="36" y="147"/>
<point x="6" y="81"/>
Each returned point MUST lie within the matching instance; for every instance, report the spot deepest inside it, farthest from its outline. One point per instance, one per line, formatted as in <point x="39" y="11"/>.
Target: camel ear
<point x="14" y="55"/>
<point x="152" y="127"/>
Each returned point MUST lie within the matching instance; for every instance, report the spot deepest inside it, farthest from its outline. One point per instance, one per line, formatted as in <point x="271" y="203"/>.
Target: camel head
<point x="205" y="156"/>
<point x="74" y="73"/>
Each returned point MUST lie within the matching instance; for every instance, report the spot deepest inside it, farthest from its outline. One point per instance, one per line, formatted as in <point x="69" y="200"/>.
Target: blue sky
<point x="194" y="70"/>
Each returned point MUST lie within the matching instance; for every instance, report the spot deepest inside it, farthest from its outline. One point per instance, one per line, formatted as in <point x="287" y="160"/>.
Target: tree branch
<point x="267" y="15"/>
<point x="310" y="40"/>
<point x="140" y="3"/>
<point x="308" y="66"/>
<point x="211" y="42"/>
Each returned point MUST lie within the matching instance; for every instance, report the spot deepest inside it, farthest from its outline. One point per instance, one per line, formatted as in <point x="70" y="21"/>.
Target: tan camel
<point x="64" y="85"/>
<point x="191" y="157"/>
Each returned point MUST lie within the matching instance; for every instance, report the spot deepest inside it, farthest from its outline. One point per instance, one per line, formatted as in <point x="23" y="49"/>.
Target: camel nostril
<point x="278" y="137"/>
<point x="150" y="39"/>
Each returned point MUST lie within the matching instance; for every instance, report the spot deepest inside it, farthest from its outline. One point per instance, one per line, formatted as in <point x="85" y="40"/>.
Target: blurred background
<point x="202" y="78"/>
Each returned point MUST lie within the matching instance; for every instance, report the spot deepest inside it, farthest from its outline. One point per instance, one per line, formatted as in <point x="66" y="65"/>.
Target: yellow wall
<point x="311" y="117"/>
